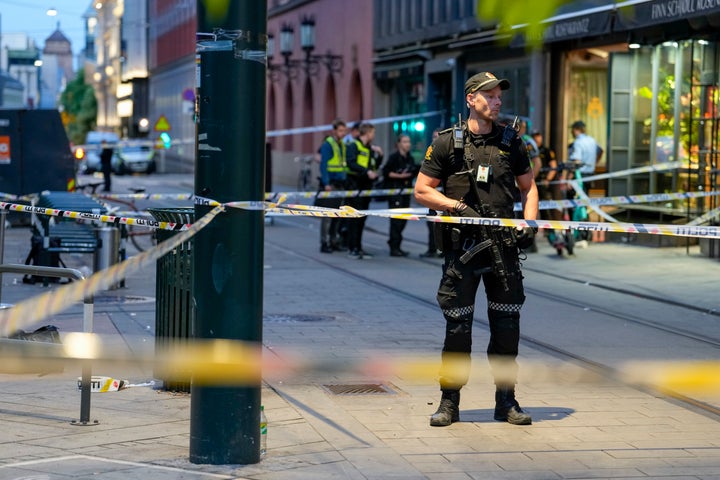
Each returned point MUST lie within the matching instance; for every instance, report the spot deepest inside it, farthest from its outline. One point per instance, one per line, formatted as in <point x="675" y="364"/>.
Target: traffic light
<point x="418" y="126"/>
<point x="166" y="140"/>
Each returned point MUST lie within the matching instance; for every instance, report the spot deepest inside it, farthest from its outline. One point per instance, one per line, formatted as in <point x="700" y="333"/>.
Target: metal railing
<point x="88" y="311"/>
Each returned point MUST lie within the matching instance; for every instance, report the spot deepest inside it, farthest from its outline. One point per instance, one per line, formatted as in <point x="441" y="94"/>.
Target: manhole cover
<point x="358" y="389"/>
<point x="122" y="299"/>
<point x="296" y="318"/>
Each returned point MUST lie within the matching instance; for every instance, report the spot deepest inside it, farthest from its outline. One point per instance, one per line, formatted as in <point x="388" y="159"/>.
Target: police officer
<point x="481" y="167"/>
<point x="333" y="176"/>
<point x="362" y="164"/>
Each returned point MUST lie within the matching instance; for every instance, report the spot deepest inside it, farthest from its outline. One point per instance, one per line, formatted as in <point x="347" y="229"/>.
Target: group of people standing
<point x="552" y="177"/>
<point x="350" y="161"/>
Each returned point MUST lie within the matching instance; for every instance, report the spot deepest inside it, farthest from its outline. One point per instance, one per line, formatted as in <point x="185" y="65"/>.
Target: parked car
<point x="89" y="154"/>
<point x="134" y="158"/>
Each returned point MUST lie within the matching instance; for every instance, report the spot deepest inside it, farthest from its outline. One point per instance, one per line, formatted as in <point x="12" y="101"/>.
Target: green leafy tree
<point x="79" y="108"/>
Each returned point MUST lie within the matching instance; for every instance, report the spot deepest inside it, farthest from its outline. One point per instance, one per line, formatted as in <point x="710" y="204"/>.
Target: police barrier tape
<point x="374" y="121"/>
<point x="116" y="220"/>
<point x="144" y="196"/>
<point x="26" y="312"/>
<point x="226" y="362"/>
<point x="348" y="212"/>
<point x="659" y="167"/>
<point x="619" y="227"/>
<point x="584" y="197"/>
<point x="706" y="217"/>
<point x="270" y="133"/>
<point x="542" y="205"/>
<point x="10" y="196"/>
<point x="31" y="310"/>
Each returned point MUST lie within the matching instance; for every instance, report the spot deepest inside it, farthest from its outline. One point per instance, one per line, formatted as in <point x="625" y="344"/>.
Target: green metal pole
<point x="228" y="253"/>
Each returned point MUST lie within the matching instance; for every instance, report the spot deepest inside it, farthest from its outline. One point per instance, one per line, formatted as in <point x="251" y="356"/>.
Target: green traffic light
<point x="165" y="137"/>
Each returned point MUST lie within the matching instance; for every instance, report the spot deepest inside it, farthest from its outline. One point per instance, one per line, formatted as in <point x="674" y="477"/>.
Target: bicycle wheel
<point x="303" y="183"/>
<point x="142" y="238"/>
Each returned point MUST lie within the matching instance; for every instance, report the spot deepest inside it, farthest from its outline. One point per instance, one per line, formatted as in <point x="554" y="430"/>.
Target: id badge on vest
<point x="483" y="173"/>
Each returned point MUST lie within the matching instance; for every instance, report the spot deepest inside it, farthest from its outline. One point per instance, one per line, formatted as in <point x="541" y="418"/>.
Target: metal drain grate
<point x="122" y="299"/>
<point x="296" y="318"/>
<point x="358" y="389"/>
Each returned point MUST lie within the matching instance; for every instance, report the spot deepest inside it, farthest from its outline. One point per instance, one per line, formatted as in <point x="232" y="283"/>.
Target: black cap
<point x="536" y="132"/>
<point x="485" y="81"/>
<point x="579" y="124"/>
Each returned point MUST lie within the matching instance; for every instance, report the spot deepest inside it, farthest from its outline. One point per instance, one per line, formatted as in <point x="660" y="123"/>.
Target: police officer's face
<point x="486" y="103"/>
<point x="341" y="131"/>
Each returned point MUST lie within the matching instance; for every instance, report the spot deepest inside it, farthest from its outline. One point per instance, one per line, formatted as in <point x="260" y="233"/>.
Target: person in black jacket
<point x="106" y="163"/>
<point x="399" y="172"/>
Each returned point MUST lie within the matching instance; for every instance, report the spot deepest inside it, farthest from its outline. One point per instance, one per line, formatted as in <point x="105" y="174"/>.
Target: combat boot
<point x="448" y="411"/>
<point x="507" y="409"/>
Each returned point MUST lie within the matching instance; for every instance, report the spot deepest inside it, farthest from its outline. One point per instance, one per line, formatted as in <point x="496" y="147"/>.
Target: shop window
<point x="588" y="102"/>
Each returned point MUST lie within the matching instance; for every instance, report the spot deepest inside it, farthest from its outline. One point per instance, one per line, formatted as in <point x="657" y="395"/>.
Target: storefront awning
<point x="587" y="23"/>
<point x="657" y="12"/>
<point x="396" y="70"/>
<point x="576" y="24"/>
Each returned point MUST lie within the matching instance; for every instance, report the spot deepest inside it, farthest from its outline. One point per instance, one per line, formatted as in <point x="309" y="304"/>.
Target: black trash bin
<point x="173" y="291"/>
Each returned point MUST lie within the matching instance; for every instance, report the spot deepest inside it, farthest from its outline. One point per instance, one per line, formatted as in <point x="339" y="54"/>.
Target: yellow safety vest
<point x="363" y="157"/>
<point x="337" y="163"/>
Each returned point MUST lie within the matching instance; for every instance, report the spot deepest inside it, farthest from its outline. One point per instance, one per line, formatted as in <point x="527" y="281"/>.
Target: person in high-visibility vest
<point x="363" y="160"/>
<point x="333" y="176"/>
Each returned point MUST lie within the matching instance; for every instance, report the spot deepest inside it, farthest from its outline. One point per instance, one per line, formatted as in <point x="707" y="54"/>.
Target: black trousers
<point x="396" y="225"/>
<point x="456" y="297"/>
<point x="106" y="170"/>
<point x="329" y="227"/>
<point x="355" y="226"/>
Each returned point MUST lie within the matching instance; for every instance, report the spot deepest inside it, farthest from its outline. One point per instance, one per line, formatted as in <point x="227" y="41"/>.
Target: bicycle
<point x="304" y="182"/>
<point x="142" y="238"/>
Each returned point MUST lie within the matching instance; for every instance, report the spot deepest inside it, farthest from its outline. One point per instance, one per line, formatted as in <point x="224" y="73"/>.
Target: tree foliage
<point x="79" y="108"/>
<point x="522" y="12"/>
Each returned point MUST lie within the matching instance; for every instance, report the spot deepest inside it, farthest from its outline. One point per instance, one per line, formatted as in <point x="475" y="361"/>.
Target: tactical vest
<point x="336" y="164"/>
<point x="458" y="186"/>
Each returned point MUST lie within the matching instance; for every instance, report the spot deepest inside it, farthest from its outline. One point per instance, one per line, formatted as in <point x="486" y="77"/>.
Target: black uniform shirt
<point x="398" y="163"/>
<point x="507" y="162"/>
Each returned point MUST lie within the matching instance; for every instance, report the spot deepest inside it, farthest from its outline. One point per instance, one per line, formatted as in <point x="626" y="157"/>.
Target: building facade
<point x="57" y="68"/>
<point x="21" y="66"/>
<point x="116" y="63"/>
<point x="173" y="25"/>
<point x="306" y="86"/>
<point x="320" y="69"/>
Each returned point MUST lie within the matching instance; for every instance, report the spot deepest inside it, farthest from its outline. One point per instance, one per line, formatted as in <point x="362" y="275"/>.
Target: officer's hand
<point x="462" y="210"/>
<point x="524" y="238"/>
